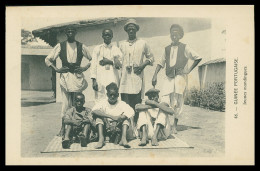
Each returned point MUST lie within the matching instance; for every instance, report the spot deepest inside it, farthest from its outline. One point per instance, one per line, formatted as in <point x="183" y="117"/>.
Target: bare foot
<point x="100" y="143"/>
<point x="124" y="143"/>
<point x="61" y="133"/>
<point x="143" y="142"/>
<point x="83" y="140"/>
<point x="175" y="131"/>
<point x="66" y="144"/>
<point x="155" y="142"/>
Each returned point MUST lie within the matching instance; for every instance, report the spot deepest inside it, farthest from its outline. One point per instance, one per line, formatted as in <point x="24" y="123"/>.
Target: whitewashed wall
<point x="39" y="74"/>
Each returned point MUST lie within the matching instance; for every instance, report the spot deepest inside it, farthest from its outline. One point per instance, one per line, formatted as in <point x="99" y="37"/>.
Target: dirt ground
<point x="200" y="128"/>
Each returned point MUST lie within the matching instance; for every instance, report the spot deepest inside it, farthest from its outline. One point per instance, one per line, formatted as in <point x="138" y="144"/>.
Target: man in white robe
<point x="105" y="65"/>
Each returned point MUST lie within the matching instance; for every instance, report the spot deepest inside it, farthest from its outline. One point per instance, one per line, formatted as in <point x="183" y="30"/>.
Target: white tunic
<point x="134" y="53"/>
<point x="105" y="74"/>
<point x="71" y="82"/>
<point x="116" y="109"/>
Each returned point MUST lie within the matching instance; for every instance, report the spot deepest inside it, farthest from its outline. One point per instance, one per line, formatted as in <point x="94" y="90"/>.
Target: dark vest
<point x="63" y="56"/>
<point x="180" y="62"/>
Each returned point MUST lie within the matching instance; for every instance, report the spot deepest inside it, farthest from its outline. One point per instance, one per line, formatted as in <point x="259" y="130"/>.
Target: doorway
<point x="25" y="76"/>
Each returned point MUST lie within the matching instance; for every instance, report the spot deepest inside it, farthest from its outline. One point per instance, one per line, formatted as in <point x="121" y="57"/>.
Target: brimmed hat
<point x="131" y="21"/>
<point x="152" y="90"/>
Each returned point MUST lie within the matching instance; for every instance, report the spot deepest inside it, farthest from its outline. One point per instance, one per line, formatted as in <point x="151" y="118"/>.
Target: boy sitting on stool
<point x="114" y="114"/>
<point x="153" y="121"/>
<point x="78" y="121"/>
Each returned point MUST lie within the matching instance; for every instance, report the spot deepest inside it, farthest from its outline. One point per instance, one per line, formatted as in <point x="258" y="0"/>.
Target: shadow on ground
<point x="184" y="127"/>
<point x="28" y="104"/>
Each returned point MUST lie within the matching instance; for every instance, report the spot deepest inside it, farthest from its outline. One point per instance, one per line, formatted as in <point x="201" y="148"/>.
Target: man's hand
<point x="102" y="63"/>
<point x="105" y="61"/>
<point x="87" y="66"/>
<point x="151" y="102"/>
<point x="85" y="121"/>
<point x="119" y="118"/>
<point x="79" y="70"/>
<point x="63" y="70"/>
<point x="154" y="80"/>
<point x="117" y="63"/>
<point x="95" y="85"/>
<point x="115" y="118"/>
<point x="77" y="123"/>
<point x="138" y="70"/>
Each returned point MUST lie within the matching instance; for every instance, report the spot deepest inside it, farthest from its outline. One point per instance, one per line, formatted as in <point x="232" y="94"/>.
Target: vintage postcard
<point x="130" y="85"/>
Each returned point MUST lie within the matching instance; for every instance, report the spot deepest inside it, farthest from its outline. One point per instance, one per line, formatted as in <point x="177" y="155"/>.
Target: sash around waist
<point x="71" y="66"/>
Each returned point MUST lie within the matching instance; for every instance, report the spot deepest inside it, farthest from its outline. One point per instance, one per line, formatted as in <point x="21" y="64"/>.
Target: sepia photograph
<point x="125" y="86"/>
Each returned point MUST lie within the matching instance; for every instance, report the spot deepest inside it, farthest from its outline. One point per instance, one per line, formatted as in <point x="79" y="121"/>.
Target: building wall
<point x="157" y="37"/>
<point x="213" y="73"/>
<point x="216" y="73"/>
<point x="39" y="74"/>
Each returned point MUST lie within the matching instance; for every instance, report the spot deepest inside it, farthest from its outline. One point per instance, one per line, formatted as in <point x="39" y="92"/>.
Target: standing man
<point x="105" y="65"/>
<point x="175" y="57"/>
<point x="72" y="79"/>
<point x="136" y="56"/>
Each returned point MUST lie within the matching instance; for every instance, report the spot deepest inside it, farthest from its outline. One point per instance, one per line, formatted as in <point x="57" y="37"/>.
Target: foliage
<point x="26" y="36"/>
<point x="212" y="97"/>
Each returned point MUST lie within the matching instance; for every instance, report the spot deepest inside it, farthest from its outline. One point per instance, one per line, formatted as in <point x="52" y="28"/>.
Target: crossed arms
<point x="100" y="113"/>
<point x="149" y="104"/>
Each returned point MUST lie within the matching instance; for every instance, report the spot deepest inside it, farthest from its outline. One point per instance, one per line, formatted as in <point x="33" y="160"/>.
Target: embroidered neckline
<point x="107" y="46"/>
<point x="131" y="42"/>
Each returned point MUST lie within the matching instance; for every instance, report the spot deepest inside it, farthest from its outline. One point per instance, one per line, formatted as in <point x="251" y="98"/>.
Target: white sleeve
<point x="148" y="53"/>
<point x="86" y="53"/>
<point x="162" y="60"/>
<point x="191" y="54"/>
<point x="53" y="55"/>
<point x="128" y="110"/>
<point x="122" y="50"/>
<point x="99" y="106"/>
<point x="94" y="63"/>
<point x="118" y="53"/>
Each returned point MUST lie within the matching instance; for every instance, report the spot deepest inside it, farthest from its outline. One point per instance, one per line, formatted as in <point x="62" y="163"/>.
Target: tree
<point x="26" y="36"/>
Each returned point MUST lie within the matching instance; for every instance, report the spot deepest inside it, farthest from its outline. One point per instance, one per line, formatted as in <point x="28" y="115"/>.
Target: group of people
<point x="118" y="81"/>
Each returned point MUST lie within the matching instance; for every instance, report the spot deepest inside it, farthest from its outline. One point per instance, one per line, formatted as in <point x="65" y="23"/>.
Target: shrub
<point x="212" y="97"/>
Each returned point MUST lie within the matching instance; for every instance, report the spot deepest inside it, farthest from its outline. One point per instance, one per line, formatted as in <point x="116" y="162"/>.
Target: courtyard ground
<point x="200" y="128"/>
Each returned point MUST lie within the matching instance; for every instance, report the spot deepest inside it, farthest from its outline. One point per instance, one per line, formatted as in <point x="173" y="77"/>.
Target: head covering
<point x="178" y="28"/>
<point x="70" y="28"/>
<point x="131" y="21"/>
<point x="112" y="86"/>
<point x="152" y="90"/>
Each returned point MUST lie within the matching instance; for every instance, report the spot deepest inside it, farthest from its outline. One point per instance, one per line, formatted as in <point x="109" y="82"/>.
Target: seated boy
<point x="114" y="114"/>
<point x="153" y="121"/>
<point x="78" y="121"/>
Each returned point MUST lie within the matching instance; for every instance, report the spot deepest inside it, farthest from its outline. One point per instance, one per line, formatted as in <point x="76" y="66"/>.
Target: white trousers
<point x="176" y="101"/>
<point x="67" y="100"/>
<point x="145" y="118"/>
